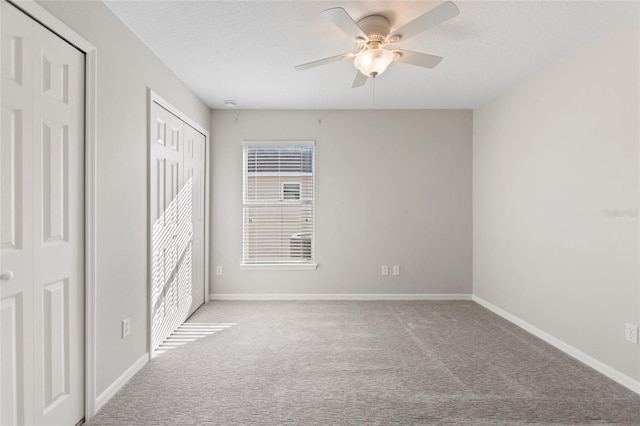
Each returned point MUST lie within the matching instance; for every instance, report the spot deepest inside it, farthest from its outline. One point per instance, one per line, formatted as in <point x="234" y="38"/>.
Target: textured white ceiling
<point x="247" y="50"/>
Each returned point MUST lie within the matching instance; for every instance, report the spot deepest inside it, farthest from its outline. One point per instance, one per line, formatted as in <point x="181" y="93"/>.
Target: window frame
<point x="292" y="265"/>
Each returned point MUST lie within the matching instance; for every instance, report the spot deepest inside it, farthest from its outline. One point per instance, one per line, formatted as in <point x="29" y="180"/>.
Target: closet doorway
<point x="47" y="226"/>
<point x="177" y="218"/>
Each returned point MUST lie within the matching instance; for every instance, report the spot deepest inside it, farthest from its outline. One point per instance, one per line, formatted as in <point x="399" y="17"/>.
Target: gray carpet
<point x="323" y="363"/>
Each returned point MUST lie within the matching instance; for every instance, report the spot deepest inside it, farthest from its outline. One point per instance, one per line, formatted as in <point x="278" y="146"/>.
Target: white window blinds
<point x="278" y="203"/>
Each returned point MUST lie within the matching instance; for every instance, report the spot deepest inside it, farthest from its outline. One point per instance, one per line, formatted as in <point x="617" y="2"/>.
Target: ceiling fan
<point x="372" y="33"/>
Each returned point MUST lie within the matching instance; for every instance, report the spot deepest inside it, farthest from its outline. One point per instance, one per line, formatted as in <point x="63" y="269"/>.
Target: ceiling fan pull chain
<point x="373" y="88"/>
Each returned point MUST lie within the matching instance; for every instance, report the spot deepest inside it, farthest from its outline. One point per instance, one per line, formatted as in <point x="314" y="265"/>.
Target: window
<point x="278" y="204"/>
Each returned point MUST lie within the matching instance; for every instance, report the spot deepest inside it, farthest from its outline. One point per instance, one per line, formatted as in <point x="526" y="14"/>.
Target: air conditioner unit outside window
<point x="300" y="245"/>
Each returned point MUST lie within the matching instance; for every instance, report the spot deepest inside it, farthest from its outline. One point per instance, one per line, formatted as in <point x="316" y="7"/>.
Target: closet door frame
<point x="155" y="97"/>
<point x="44" y="17"/>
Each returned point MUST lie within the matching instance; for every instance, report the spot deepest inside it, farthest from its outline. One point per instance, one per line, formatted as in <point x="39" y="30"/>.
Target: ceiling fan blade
<point x="324" y="61"/>
<point x="435" y="16"/>
<point x="359" y="81"/>
<point x="345" y="22"/>
<point x="415" y="58"/>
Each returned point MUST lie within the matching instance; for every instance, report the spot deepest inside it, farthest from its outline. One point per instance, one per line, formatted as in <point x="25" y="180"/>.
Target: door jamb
<point x="155" y="97"/>
<point x="44" y="17"/>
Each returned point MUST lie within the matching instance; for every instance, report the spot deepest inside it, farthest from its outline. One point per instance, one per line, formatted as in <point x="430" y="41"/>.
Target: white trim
<point x="336" y="296"/>
<point x="91" y="120"/>
<point x="37" y="12"/>
<point x="278" y="143"/>
<point x="121" y="381"/>
<point x="597" y="365"/>
<point x="278" y="266"/>
<point x="45" y="18"/>
<point x="150" y="99"/>
<point x="155" y="97"/>
<point x="207" y="216"/>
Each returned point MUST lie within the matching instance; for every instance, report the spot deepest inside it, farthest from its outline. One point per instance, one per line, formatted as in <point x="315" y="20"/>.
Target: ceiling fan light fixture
<point x="374" y="31"/>
<point x="373" y="62"/>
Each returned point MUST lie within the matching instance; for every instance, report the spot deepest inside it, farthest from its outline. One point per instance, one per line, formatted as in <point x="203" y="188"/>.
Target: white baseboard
<point x="599" y="366"/>
<point x="336" y="296"/>
<point x="121" y="381"/>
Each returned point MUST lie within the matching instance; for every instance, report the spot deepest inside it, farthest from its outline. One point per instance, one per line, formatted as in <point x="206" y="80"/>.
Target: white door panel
<point x="16" y="245"/>
<point x="58" y="214"/>
<point x="194" y="173"/>
<point x="166" y="150"/>
<point x="16" y="353"/>
<point x="43" y="225"/>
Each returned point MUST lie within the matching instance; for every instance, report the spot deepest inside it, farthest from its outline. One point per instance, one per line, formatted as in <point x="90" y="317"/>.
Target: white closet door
<point x="171" y="224"/>
<point x="194" y="174"/>
<point x="177" y="220"/>
<point x="58" y="210"/>
<point x="16" y="256"/>
<point x="42" y="291"/>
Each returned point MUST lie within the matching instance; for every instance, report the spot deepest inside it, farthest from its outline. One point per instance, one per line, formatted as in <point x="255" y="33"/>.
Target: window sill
<point x="279" y="266"/>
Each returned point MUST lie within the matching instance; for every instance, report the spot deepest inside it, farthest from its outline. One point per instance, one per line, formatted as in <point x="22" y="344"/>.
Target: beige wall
<point x="552" y="160"/>
<point x="126" y="68"/>
<point x="392" y="187"/>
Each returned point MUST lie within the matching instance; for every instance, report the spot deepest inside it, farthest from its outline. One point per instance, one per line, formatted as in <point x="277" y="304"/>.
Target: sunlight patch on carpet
<point x="190" y="332"/>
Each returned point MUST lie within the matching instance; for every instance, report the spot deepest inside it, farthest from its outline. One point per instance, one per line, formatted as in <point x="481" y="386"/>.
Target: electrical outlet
<point x="385" y="270"/>
<point x="126" y="327"/>
<point x="396" y="270"/>
<point x="631" y="333"/>
<point x="218" y="270"/>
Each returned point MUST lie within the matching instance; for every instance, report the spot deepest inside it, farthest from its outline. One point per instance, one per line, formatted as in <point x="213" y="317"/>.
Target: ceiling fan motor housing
<point x="376" y="27"/>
